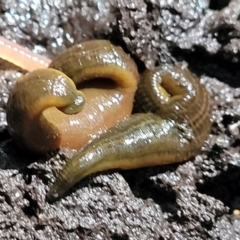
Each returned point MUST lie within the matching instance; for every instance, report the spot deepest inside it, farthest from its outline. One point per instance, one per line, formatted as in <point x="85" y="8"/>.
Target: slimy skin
<point x="40" y="90"/>
<point x="93" y="91"/>
<point x="175" y="130"/>
<point x="89" y="91"/>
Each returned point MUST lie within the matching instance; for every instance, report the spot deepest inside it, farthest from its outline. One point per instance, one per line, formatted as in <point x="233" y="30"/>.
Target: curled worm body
<point x="56" y="107"/>
<point x="87" y="89"/>
<point x="174" y="131"/>
<point x="29" y="103"/>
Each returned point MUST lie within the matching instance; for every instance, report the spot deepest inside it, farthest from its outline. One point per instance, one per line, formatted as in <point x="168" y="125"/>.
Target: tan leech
<point x="36" y="116"/>
<point x="21" y="57"/>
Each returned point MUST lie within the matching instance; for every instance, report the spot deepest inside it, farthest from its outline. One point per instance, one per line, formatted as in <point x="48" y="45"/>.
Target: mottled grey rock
<point x="198" y="199"/>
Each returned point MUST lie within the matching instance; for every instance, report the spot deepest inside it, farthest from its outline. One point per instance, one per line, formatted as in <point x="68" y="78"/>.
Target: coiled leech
<point x="39" y="111"/>
<point x="175" y="130"/>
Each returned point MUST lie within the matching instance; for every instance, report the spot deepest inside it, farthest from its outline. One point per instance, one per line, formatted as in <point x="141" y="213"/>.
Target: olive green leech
<point x="175" y="130"/>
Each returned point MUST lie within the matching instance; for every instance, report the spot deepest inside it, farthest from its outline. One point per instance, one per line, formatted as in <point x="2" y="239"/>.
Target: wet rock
<point x="193" y="200"/>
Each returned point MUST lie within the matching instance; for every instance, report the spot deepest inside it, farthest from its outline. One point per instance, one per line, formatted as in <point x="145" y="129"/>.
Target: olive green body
<point x="175" y="130"/>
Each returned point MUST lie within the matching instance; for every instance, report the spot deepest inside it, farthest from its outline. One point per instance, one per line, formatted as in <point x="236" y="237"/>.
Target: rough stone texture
<point x="198" y="199"/>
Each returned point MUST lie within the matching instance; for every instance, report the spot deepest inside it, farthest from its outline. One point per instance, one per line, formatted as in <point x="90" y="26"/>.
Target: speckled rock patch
<point x="198" y="199"/>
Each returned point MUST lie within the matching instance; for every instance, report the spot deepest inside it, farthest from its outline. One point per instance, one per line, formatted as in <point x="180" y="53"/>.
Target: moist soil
<point x="198" y="199"/>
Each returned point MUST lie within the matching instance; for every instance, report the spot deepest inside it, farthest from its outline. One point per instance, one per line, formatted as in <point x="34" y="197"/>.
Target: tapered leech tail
<point x="86" y="90"/>
<point x="174" y="132"/>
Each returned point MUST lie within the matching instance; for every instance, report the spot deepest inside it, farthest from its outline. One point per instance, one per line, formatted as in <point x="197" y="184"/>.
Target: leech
<point x="174" y="131"/>
<point x="79" y="96"/>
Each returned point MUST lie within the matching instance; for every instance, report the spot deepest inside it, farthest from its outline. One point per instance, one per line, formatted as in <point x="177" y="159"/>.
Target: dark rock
<point x="198" y="199"/>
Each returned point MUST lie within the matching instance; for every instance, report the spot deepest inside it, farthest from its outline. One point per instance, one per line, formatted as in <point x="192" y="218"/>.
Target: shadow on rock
<point x="200" y="62"/>
<point x="144" y="187"/>
<point x="14" y="158"/>
<point x="224" y="187"/>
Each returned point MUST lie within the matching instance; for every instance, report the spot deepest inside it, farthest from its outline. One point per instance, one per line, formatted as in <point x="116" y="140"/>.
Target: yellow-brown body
<point x="172" y="127"/>
<point x="95" y="79"/>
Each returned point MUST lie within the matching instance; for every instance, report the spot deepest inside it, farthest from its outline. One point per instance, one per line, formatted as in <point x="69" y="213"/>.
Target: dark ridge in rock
<point x="198" y="199"/>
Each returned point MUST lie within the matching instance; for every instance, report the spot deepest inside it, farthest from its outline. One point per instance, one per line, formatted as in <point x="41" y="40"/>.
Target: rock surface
<point x="198" y="199"/>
